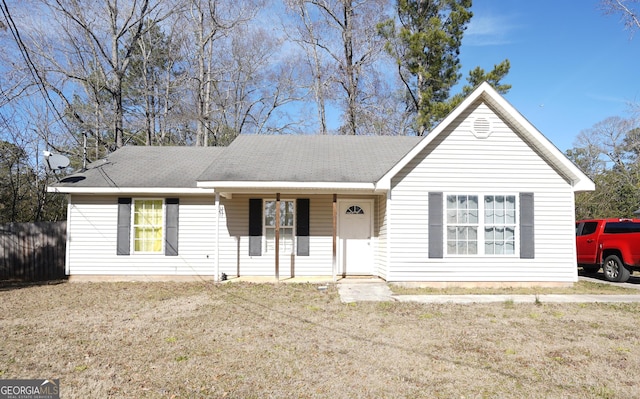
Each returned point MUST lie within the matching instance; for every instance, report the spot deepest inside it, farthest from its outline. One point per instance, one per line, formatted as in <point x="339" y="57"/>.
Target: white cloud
<point x="608" y="98"/>
<point x="489" y="30"/>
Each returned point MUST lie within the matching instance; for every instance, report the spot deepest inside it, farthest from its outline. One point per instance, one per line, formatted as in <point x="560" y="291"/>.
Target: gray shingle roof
<point x="347" y="159"/>
<point x="162" y="167"/>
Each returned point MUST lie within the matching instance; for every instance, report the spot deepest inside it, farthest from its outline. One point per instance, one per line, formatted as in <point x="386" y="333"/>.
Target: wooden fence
<point x="32" y="251"/>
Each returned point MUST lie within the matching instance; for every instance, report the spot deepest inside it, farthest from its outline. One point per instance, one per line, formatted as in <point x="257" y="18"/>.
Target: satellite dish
<point x="56" y="161"/>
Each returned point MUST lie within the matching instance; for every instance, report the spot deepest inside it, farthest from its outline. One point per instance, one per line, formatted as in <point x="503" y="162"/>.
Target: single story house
<point x="484" y="197"/>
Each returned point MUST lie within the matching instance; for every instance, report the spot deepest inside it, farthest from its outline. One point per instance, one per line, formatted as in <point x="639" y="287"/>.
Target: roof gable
<point x="485" y="92"/>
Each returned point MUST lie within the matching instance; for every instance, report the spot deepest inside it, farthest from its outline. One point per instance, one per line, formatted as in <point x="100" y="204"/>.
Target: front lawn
<point x="202" y="340"/>
<point x="579" y="288"/>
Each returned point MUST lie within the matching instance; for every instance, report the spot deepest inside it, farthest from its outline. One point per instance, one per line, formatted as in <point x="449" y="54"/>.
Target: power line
<point x="32" y="68"/>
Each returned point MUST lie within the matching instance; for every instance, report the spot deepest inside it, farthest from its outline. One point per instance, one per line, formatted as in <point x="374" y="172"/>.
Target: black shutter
<point x="255" y="227"/>
<point x="123" y="246"/>
<point x="171" y="233"/>
<point x="527" y="237"/>
<point x="302" y="226"/>
<point x="435" y="225"/>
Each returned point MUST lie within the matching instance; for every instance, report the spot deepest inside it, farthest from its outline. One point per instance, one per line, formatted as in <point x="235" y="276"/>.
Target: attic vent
<point x="481" y="128"/>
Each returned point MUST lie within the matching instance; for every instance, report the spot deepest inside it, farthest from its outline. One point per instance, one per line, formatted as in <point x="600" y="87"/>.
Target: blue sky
<point x="571" y="65"/>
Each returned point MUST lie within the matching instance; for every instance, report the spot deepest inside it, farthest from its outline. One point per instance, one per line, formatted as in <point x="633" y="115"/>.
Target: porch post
<point x="387" y="257"/>
<point x="334" y="268"/>
<point x="278" y="236"/>
<point x="217" y="258"/>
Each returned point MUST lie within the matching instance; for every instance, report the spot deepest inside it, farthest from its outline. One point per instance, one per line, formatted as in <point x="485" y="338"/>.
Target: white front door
<point x="355" y="252"/>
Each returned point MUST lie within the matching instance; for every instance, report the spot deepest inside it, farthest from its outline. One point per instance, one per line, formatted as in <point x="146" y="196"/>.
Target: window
<point x="616" y="228"/>
<point x="262" y="217"/>
<point x="486" y="227"/>
<point x="499" y="224"/>
<point x="148" y="222"/>
<point x="589" y="228"/>
<point x="354" y="210"/>
<point x="287" y="223"/>
<point x="462" y="224"/>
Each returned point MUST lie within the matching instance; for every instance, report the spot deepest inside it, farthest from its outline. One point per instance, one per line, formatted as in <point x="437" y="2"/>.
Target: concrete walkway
<point x="359" y="290"/>
<point x="362" y="290"/>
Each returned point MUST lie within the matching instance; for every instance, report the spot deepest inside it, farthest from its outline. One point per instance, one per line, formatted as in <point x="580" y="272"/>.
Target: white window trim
<point x="481" y="225"/>
<point x="133" y="226"/>
<point x="264" y="225"/>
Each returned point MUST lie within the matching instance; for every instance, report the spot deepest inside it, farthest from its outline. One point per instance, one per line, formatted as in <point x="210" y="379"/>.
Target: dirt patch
<point x="202" y="340"/>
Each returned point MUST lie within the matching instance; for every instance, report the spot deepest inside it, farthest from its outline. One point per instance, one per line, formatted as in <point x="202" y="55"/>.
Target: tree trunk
<point x="351" y="75"/>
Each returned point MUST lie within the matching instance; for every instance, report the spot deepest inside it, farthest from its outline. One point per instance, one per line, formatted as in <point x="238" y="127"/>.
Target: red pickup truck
<point x="613" y="244"/>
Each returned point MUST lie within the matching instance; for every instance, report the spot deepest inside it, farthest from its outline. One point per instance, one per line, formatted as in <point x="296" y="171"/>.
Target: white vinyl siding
<point x="91" y="243"/>
<point x="459" y="162"/>
<point x="234" y="241"/>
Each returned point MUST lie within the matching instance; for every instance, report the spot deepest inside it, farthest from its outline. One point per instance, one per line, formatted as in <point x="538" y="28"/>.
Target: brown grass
<point x="581" y="287"/>
<point x="201" y="340"/>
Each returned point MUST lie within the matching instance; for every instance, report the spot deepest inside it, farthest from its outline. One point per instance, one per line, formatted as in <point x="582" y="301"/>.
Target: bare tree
<point x="345" y="31"/>
<point x="153" y="84"/>
<point x="241" y="80"/>
<point x="91" y="44"/>
<point x="307" y="32"/>
<point x="609" y="153"/>
<point x="610" y="141"/>
<point x="254" y="87"/>
<point x="23" y="178"/>
<point x="213" y="22"/>
<point x="629" y="11"/>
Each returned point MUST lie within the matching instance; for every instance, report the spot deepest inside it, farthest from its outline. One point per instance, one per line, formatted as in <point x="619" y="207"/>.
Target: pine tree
<point x="426" y="47"/>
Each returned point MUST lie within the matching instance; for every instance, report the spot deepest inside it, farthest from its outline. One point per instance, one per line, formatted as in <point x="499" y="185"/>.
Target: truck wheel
<point x="590" y="269"/>
<point x="614" y="269"/>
